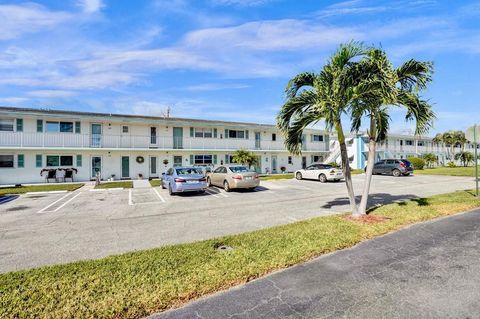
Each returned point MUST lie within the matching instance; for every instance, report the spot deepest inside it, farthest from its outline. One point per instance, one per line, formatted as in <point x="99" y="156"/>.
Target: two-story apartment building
<point x="129" y="146"/>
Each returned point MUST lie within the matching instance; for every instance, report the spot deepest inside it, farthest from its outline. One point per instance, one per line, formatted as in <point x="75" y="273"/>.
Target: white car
<point x="320" y="172"/>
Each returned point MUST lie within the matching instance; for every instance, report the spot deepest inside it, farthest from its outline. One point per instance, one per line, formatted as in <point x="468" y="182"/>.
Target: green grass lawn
<point x="137" y="284"/>
<point x="123" y="184"/>
<point x="276" y="176"/>
<point x="155" y="182"/>
<point x="39" y="188"/>
<point x="452" y="171"/>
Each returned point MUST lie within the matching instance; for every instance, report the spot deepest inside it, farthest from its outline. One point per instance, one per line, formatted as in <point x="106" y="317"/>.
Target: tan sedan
<point x="233" y="176"/>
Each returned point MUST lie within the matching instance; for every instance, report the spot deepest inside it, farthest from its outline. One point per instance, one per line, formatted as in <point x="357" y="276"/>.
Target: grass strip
<point x="140" y="283"/>
<point x="39" y="188"/>
<point x="123" y="184"/>
<point x="451" y="171"/>
<point x="155" y="182"/>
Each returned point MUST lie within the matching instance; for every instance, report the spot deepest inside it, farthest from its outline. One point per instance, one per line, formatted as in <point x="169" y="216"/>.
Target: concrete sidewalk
<point x="430" y="270"/>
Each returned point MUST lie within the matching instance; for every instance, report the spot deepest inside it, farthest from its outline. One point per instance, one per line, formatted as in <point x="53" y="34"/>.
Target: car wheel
<point x="170" y="192"/>
<point x="298" y="176"/>
<point x="201" y="191"/>
<point x="396" y="173"/>
<point x="226" y="186"/>
<point x="209" y="182"/>
<point x="322" y="178"/>
<point x="252" y="189"/>
<point x="406" y="174"/>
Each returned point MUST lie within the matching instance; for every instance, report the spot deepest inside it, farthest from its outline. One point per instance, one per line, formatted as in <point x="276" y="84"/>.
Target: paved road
<point x="431" y="270"/>
<point x="47" y="229"/>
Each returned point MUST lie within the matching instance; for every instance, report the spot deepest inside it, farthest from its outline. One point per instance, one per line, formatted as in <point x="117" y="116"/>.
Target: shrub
<point x="451" y="164"/>
<point x="334" y="164"/>
<point x="418" y="163"/>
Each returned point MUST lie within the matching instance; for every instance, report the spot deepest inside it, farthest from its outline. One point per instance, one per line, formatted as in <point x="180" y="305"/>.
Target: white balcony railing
<point x="71" y="140"/>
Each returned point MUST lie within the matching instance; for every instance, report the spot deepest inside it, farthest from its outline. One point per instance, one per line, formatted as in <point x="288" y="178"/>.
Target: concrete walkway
<point x="430" y="270"/>
<point x="141" y="183"/>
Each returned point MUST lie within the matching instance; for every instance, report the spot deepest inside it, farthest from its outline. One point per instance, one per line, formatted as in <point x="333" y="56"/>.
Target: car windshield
<point x="328" y="166"/>
<point x="189" y="171"/>
<point x="239" y="169"/>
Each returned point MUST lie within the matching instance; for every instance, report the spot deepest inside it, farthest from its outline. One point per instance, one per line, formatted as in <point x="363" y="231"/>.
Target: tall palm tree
<point x="245" y="157"/>
<point x="397" y="87"/>
<point x="449" y="140"/>
<point x="313" y="97"/>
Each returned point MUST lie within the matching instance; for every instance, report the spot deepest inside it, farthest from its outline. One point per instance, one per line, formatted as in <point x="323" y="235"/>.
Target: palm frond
<point x="418" y="110"/>
<point x="305" y="79"/>
<point x="415" y="74"/>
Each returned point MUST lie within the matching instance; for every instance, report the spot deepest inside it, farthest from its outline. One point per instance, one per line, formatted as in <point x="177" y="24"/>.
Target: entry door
<point x="153" y="166"/>
<point x="125" y="166"/>
<point x="153" y="135"/>
<point x="178" y="137"/>
<point x="257" y="140"/>
<point x="274" y="163"/>
<point x="304" y="162"/>
<point x="96" y="135"/>
<point x="96" y="166"/>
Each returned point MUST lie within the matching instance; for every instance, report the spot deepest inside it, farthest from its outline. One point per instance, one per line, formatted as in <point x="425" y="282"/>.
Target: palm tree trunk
<point x="346" y="168"/>
<point x="372" y="143"/>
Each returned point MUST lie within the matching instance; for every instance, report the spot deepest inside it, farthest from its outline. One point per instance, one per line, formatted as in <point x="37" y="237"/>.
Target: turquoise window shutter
<point x="19" y="125"/>
<point x="77" y="127"/>
<point x="79" y="160"/>
<point x="20" y="160"/>
<point x="38" y="160"/>
<point x="227" y="159"/>
<point x="214" y="159"/>
<point x="191" y="160"/>
<point x="246" y="134"/>
<point x="226" y="133"/>
<point x="311" y="138"/>
<point x="215" y="133"/>
<point x="191" y="132"/>
<point x="39" y="126"/>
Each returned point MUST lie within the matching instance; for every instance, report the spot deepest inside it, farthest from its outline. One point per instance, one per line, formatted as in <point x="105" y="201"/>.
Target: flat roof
<point x="54" y="112"/>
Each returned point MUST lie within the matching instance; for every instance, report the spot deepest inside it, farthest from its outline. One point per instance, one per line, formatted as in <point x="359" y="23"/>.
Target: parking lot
<point x="40" y="229"/>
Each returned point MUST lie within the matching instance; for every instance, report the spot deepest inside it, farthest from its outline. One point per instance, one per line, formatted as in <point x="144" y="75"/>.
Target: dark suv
<point x="395" y="167"/>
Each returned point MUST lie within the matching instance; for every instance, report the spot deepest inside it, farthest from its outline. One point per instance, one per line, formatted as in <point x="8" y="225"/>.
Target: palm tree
<point x="450" y="139"/>
<point x="313" y="97"/>
<point x="242" y="156"/>
<point x="464" y="157"/>
<point x="397" y="87"/>
<point x="430" y="159"/>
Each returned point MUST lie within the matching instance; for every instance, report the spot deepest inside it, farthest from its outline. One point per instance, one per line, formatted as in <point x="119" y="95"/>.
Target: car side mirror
<point x="163" y="173"/>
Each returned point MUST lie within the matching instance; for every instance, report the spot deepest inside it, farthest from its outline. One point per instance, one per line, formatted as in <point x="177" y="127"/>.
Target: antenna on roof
<point x="166" y="113"/>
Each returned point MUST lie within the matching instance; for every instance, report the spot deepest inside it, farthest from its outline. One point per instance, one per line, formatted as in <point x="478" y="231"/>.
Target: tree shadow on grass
<point x="379" y="199"/>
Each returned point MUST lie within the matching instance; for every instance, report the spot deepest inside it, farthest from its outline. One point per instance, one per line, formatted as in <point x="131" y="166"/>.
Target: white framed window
<point x="236" y="134"/>
<point x="59" y="160"/>
<point x="290" y="161"/>
<point x="203" y="132"/>
<point x="6" y="125"/>
<point x="7" y="161"/>
<point x="203" y="159"/>
<point x="62" y="127"/>
<point x="124" y="129"/>
<point x="409" y="142"/>
<point x="317" y="138"/>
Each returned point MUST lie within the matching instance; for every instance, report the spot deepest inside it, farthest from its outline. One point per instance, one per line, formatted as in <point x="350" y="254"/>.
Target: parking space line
<point x="159" y="196"/>
<point x="68" y="201"/>
<point x="130" y="197"/>
<point x="211" y="193"/>
<point x="50" y="205"/>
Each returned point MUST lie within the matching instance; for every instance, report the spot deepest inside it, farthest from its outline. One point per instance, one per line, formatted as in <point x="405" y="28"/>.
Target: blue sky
<point x="224" y="59"/>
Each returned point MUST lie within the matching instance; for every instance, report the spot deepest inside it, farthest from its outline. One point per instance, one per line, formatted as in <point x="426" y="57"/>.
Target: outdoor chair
<point x="68" y="174"/>
<point x="51" y="174"/>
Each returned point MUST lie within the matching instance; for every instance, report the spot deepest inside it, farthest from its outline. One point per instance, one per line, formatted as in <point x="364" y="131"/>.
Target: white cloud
<point x="51" y="93"/>
<point x="28" y="18"/>
<point x="241" y="3"/>
<point x="216" y="86"/>
<point x="91" y="6"/>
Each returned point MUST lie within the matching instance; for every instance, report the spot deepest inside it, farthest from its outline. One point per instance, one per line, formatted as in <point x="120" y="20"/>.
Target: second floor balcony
<point x="89" y="141"/>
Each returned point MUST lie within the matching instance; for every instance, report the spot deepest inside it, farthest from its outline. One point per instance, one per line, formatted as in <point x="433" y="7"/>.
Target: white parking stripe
<point x="222" y="194"/>
<point x="47" y="207"/>
<point x="211" y="193"/>
<point x="68" y="201"/>
<point x="130" y="197"/>
<point x="159" y="196"/>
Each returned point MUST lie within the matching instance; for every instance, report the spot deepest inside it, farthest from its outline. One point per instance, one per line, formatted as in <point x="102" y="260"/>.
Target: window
<point x="401" y="142"/>
<point x="203" y="132"/>
<point x="124" y="129"/>
<point x="39" y="126"/>
<point x="421" y="143"/>
<point x="274" y="137"/>
<point x="317" y="158"/>
<point x="63" y="127"/>
<point x="19" y="125"/>
<point x="6" y="125"/>
<point x="237" y="134"/>
<point x="317" y="138"/>
<point x="409" y="142"/>
<point x="177" y="161"/>
<point x="38" y="160"/>
<point x="20" y="161"/>
<point x="79" y="160"/>
<point x="56" y="160"/>
<point x="6" y="161"/>
<point x="77" y="128"/>
<point x="203" y="159"/>
<point x="290" y="160"/>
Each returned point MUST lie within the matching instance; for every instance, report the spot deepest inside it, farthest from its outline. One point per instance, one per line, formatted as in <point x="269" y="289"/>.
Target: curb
<point x="106" y="189"/>
<point x="47" y="192"/>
